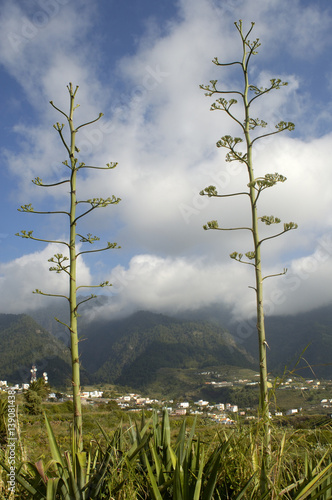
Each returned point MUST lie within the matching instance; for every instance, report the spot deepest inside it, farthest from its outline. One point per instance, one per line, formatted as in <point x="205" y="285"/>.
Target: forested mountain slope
<point x="23" y="343"/>
<point x="133" y="350"/>
<point x="301" y="342"/>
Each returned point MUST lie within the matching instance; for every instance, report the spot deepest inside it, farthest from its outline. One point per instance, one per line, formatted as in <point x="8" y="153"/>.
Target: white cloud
<point x="306" y="284"/>
<point x="33" y="37"/>
<point x="20" y="277"/>
<point x="171" y="285"/>
<point x="301" y="31"/>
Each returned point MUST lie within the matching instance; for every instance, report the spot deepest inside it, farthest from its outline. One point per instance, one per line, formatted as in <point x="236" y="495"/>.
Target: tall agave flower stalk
<point x="255" y="186"/>
<point x="68" y="263"/>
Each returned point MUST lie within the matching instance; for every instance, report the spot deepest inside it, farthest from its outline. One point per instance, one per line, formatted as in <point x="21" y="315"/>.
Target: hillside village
<point x="223" y="413"/>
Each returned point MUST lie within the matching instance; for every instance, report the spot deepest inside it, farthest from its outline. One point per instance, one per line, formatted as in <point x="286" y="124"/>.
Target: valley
<point x="167" y="356"/>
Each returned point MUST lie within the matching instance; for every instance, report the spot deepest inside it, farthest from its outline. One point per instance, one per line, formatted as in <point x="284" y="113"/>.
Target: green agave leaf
<point x="104" y="433"/>
<point x="242" y="493"/>
<point x="198" y="486"/>
<point x="194" y="457"/>
<point x="81" y="467"/>
<point x="178" y="483"/>
<point x="154" y="487"/>
<point x="157" y="462"/>
<point x="173" y="456"/>
<point x="212" y="469"/>
<point x="192" y="430"/>
<point x="134" y="450"/>
<point x="55" y="451"/>
<point x="97" y="479"/>
<point x="314" y="483"/>
<point x="166" y="429"/>
<point x="320" y="495"/>
<point x="52" y="487"/>
<point x="73" y="486"/>
<point x="26" y="485"/>
<point x="88" y="463"/>
<point x="180" y="442"/>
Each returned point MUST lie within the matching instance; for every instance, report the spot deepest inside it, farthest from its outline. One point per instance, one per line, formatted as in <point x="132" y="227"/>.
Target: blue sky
<point x="141" y="63"/>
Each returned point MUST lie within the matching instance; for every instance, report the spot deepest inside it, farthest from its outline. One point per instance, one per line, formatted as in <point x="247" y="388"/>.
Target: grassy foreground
<point x="146" y="456"/>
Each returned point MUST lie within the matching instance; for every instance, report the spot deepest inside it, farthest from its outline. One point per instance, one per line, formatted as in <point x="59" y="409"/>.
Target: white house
<point x="220" y="406"/>
<point x="292" y="411"/>
<point x="96" y="394"/>
<point x="180" y="411"/>
<point x="93" y="394"/>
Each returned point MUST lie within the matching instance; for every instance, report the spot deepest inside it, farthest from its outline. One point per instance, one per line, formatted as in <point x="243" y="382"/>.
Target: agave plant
<point x="75" y="475"/>
<point x="183" y="470"/>
<point x="316" y="482"/>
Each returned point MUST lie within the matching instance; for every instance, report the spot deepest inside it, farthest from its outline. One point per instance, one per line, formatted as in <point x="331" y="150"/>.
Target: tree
<point x="3" y="417"/>
<point x="40" y="387"/>
<point x="67" y="263"/>
<point x="253" y="191"/>
<point x="33" y="402"/>
<point x="35" y="395"/>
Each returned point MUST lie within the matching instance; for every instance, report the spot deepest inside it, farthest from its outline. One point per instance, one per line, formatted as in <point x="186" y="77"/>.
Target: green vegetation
<point x="24" y="343"/>
<point x="291" y="338"/>
<point x="133" y="351"/>
<point x="34" y="396"/>
<point x="255" y="186"/>
<point x="149" y="457"/>
<point x="3" y="419"/>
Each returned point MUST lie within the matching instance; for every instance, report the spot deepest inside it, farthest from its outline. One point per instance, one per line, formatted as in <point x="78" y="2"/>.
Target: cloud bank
<point x="158" y="126"/>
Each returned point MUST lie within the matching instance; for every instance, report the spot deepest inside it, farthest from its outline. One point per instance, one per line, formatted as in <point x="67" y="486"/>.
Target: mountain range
<point x="146" y="350"/>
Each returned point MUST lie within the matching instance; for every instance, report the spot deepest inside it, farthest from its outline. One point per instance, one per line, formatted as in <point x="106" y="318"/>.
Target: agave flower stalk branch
<point x="101" y="285"/>
<point x="29" y="209"/>
<point x="39" y="292"/>
<point x="39" y="182"/>
<point x="109" y="246"/>
<point x="275" y="275"/>
<point x="108" y="166"/>
<point x="28" y="235"/>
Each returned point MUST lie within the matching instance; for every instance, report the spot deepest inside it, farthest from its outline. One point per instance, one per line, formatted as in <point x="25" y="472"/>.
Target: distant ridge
<point x="132" y="351"/>
<point x="301" y="342"/>
<point x="147" y="349"/>
<point x="23" y="343"/>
